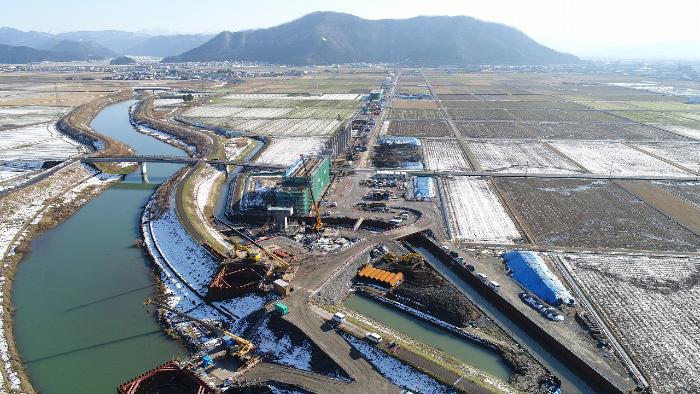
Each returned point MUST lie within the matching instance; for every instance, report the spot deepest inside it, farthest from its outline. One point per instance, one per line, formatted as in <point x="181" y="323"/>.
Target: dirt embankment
<point x="205" y="144"/>
<point x="76" y="124"/>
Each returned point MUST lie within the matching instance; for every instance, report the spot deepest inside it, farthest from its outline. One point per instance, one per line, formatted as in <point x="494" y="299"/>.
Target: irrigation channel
<point x="80" y="323"/>
<point x="457" y="347"/>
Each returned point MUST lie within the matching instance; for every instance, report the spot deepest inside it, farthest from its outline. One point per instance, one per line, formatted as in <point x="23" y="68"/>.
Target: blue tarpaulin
<point x="412" y="165"/>
<point x="398" y="140"/>
<point x="531" y="272"/>
<point x="423" y="188"/>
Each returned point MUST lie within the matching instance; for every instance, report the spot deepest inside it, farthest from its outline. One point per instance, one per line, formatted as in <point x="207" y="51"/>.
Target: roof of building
<point x="390" y="278"/>
<point x="531" y="272"/>
<point x="299" y="169"/>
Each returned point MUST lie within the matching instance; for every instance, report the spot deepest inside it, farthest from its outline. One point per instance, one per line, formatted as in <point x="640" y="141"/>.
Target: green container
<point x="281" y="308"/>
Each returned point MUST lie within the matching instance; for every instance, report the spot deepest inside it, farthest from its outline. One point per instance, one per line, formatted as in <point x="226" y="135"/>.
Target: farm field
<point x="475" y="213"/>
<point x="278" y="114"/>
<point x="686" y="154"/>
<point x="484" y="114"/>
<point x="414" y="114"/>
<point x="426" y="128"/>
<point x="651" y="305"/>
<point x="565" y="131"/>
<point x="444" y="154"/>
<point x="36" y="144"/>
<point x="688" y="191"/>
<point x="13" y="117"/>
<point x="520" y="157"/>
<point x="615" y="158"/>
<point x="414" y="104"/>
<point x="592" y="214"/>
<point x="284" y="151"/>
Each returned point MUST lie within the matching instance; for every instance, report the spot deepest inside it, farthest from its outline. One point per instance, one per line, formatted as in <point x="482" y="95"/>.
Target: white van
<point x="338" y="318"/>
<point x="373" y="337"/>
<point x="481" y="276"/>
<point x="494" y="285"/>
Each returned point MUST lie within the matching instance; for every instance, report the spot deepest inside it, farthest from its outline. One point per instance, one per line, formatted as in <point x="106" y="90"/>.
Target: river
<point x="80" y="324"/>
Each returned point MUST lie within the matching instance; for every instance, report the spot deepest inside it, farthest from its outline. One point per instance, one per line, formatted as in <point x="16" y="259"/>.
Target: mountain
<point x="167" y="45"/>
<point x="34" y="39"/>
<point x="84" y="49"/>
<point x="132" y="43"/>
<point x="22" y="54"/>
<point x="331" y="37"/>
<point x="117" y="41"/>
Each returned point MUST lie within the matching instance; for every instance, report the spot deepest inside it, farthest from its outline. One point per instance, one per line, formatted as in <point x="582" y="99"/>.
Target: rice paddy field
<point x="531" y="157"/>
<point x="278" y="114"/>
<point x="444" y="154"/>
<point x="651" y="304"/>
<point x="592" y="214"/>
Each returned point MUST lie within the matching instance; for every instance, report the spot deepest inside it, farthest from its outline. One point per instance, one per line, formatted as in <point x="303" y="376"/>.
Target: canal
<point x="80" y="324"/>
<point x="570" y="381"/>
<point x="457" y="347"/>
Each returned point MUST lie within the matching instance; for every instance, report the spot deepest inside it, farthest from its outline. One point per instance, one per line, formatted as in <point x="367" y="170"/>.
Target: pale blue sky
<point x="579" y="26"/>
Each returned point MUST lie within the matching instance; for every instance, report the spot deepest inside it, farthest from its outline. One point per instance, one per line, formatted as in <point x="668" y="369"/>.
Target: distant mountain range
<point x="84" y="45"/>
<point x="317" y="38"/>
<point x="331" y="37"/>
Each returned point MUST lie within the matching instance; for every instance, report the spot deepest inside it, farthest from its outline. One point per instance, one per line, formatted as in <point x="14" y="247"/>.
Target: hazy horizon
<point x="595" y="29"/>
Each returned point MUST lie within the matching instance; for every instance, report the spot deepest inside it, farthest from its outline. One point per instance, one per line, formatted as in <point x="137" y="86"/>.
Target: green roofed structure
<point x="294" y="191"/>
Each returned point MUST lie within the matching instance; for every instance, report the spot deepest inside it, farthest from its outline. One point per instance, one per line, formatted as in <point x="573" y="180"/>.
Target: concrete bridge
<point x="175" y="159"/>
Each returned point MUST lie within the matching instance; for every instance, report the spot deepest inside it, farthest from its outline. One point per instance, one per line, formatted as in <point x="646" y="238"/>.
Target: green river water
<point x="80" y="323"/>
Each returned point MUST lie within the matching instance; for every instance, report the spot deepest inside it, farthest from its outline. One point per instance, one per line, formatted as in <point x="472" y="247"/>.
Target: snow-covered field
<point x="163" y="103"/>
<point x="685" y="131"/>
<point x="237" y="112"/>
<point x="285" y="127"/>
<point x="444" y="155"/>
<point x="281" y="96"/>
<point x="395" y="371"/>
<point x="26" y="207"/>
<point x="616" y="158"/>
<point x="37" y="143"/>
<point x="687" y="154"/>
<point x="28" y="115"/>
<point x="519" y="157"/>
<point x="284" y="151"/>
<point x="651" y="304"/>
<point x="475" y="213"/>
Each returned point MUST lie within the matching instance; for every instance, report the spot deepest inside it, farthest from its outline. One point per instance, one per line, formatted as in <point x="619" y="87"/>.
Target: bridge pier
<point x="144" y="172"/>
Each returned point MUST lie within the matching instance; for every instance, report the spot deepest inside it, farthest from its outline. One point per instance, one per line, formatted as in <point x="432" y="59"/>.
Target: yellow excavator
<point x="281" y="265"/>
<point x="243" y="346"/>
<point x="318" y="225"/>
<point x="250" y="254"/>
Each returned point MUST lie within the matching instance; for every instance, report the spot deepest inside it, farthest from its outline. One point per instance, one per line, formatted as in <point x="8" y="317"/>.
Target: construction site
<point x="379" y="230"/>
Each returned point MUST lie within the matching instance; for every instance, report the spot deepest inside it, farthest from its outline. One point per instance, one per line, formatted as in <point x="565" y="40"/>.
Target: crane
<point x="318" y="225"/>
<point x="245" y="346"/>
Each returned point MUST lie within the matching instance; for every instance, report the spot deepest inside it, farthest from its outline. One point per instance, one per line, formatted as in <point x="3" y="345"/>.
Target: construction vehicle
<point x="390" y="257"/>
<point x="249" y="254"/>
<point x="282" y="265"/>
<point x="318" y="225"/>
<point x="242" y="347"/>
<point x="412" y="259"/>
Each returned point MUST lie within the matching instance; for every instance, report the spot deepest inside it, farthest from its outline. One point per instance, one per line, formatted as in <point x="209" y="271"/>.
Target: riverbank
<point x="27" y="213"/>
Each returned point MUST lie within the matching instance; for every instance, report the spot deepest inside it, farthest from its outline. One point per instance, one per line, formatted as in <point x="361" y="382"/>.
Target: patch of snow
<point x="395" y="371"/>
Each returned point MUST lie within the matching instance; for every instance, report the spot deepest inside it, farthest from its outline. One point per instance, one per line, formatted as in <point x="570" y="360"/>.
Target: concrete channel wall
<point x="594" y="378"/>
